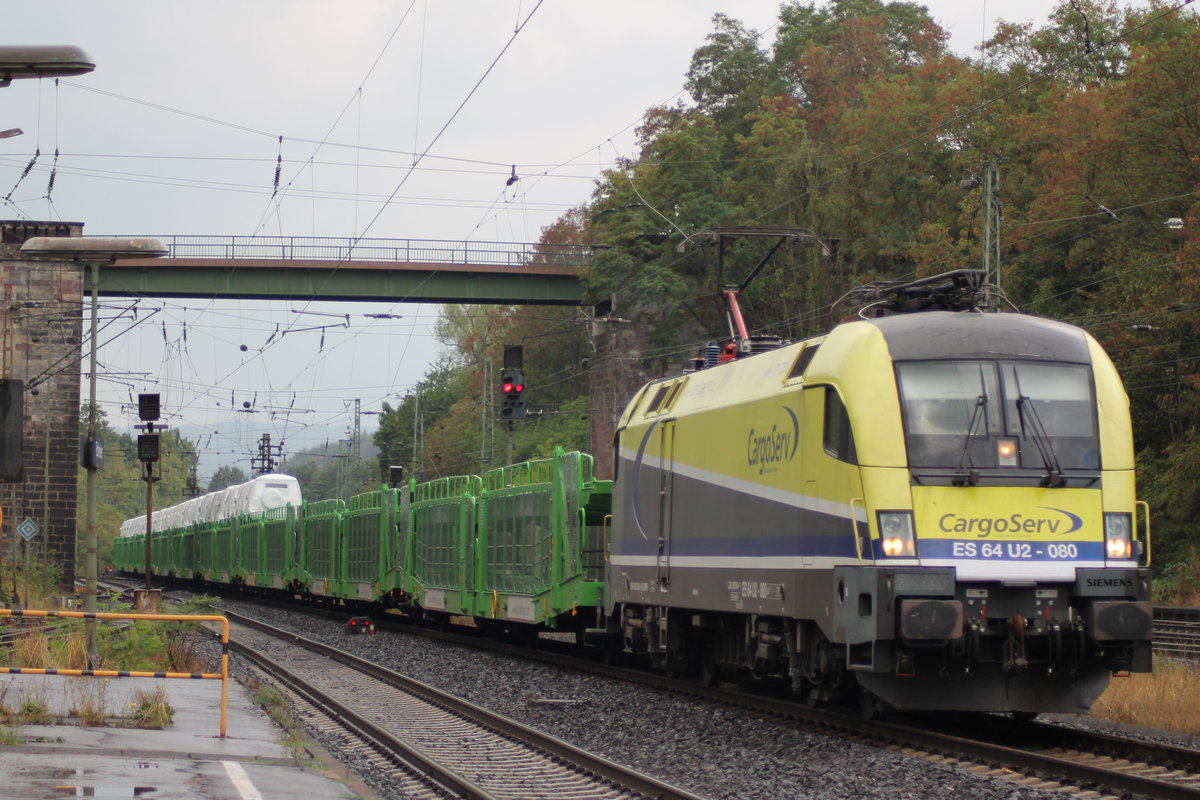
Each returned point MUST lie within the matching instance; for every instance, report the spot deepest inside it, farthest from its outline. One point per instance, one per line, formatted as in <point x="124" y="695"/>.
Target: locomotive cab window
<point x="982" y="414"/>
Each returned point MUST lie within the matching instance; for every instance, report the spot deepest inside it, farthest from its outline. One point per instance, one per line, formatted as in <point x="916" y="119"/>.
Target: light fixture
<point x="42" y="61"/>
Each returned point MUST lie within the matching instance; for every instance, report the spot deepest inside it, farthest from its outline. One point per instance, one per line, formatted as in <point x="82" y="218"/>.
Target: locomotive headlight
<point x="1006" y="452"/>
<point x="1118" y="536"/>
<point x="896" y="534"/>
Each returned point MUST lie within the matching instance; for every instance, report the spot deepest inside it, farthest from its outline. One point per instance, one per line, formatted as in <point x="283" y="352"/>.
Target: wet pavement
<point x="188" y="760"/>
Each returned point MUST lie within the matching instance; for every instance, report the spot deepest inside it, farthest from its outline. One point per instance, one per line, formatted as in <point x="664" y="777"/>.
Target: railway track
<point x="1049" y="756"/>
<point x="1035" y="754"/>
<point x="459" y="749"/>
<point x="1177" y="631"/>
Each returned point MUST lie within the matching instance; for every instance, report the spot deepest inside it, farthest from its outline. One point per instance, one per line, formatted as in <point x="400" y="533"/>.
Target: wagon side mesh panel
<point x="249" y="541"/>
<point x="443" y="513"/>
<point x="517" y="516"/>
<point x="223" y="534"/>
<point x="363" y="523"/>
<point x="320" y="530"/>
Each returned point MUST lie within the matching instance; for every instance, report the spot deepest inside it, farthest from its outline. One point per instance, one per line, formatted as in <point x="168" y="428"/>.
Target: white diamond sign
<point x="28" y="528"/>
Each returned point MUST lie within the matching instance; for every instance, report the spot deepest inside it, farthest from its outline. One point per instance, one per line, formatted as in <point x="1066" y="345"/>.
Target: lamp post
<point x="42" y="61"/>
<point x="91" y="251"/>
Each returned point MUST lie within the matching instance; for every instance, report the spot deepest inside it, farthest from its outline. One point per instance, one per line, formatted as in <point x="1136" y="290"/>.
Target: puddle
<point x="102" y="791"/>
<point x="46" y="773"/>
<point x="64" y="782"/>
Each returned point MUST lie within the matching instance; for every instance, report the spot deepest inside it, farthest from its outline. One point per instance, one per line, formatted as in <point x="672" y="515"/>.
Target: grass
<point x="1168" y="698"/>
<point x="91" y="708"/>
<point x="279" y="710"/>
<point x="140" y="645"/>
<point x="151" y="709"/>
<point x="34" y="710"/>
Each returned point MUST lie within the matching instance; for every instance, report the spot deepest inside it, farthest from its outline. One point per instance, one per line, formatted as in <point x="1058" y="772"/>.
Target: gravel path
<point x="722" y="754"/>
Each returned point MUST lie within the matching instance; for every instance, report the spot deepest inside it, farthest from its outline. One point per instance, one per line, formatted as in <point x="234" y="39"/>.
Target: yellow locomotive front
<point x="996" y="455"/>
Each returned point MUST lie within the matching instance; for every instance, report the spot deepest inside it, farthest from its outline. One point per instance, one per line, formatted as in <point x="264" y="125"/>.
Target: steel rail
<point x="889" y="732"/>
<point x="364" y="728"/>
<point x="632" y="780"/>
<point x="893" y="733"/>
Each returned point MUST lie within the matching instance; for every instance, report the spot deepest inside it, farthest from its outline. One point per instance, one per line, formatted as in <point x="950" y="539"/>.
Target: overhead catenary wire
<point x="414" y="148"/>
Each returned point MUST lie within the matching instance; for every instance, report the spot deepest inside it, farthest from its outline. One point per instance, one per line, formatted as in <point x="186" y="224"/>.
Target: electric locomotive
<point x="933" y="510"/>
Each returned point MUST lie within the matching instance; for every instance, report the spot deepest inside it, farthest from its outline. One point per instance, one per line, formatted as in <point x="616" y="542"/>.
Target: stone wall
<point x="617" y="372"/>
<point x="41" y="305"/>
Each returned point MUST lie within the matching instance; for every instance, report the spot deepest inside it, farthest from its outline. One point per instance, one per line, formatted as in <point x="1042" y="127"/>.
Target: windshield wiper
<point x="963" y="476"/>
<point x="1032" y="425"/>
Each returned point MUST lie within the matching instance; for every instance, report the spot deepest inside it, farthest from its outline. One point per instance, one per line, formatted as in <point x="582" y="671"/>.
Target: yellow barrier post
<point x="223" y="675"/>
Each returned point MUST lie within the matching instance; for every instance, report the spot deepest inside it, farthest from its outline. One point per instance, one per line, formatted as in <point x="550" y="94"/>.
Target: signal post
<point x="512" y="392"/>
<point x="148" y="600"/>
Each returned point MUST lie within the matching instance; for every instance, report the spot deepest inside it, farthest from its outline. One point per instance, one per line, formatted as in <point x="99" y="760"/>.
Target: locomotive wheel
<point x="870" y="705"/>
<point x="677" y="666"/>
<point x="613" y="641"/>
<point x="612" y="650"/>
<point x="710" y="670"/>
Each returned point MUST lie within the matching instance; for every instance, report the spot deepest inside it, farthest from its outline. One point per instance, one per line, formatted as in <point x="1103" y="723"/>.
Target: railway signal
<point x="512" y="383"/>
<point x="512" y="387"/>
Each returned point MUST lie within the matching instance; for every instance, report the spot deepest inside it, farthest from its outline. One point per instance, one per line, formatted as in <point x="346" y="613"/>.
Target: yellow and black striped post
<point x="222" y="676"/>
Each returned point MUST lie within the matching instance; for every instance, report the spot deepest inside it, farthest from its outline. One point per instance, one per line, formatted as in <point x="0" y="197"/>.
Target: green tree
<point x="121" y="488"/>
<point x="226" y="475"/>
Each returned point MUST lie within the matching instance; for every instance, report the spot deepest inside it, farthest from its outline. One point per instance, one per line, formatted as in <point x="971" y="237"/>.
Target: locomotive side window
<point x="839" y="439"/>
<point x="657" y="400"/>
<point x="802" y="361"/>
<point x="665" y="397"/>
<point x="669" y="401"/>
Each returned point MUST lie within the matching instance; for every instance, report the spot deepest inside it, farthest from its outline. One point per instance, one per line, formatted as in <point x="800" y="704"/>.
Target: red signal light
<point x="520" y="387"/>
<point x="507" y="387"/>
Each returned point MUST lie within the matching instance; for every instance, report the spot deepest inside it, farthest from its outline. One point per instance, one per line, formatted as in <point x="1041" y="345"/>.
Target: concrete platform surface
<point x="185" y="761"/>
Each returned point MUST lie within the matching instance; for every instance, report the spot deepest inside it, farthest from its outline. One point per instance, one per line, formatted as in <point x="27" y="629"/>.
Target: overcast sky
<point x="178" y="129"/>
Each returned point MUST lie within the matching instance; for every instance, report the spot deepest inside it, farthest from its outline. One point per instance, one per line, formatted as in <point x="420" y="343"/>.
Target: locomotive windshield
<point x="960" y="414"/>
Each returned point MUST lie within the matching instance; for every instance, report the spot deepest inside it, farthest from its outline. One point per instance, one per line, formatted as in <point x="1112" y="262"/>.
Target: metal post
<point x="487" y="425"/>
<point x="149" y="479"/>
<point x="25" y="547"/>
<point x="418" y="453"/>
<point x="90" y="557"/>
<point x="991" y="223"/>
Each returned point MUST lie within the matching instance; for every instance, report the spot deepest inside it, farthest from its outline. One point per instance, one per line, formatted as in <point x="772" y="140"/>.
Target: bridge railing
<point x="320" y="248"/>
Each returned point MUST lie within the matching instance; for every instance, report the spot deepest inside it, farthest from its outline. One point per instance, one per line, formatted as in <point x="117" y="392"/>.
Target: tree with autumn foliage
<point x="855" y="123"/>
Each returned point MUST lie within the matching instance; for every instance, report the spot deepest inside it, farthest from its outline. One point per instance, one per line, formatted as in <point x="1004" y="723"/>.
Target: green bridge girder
<point x="375" y="281"/>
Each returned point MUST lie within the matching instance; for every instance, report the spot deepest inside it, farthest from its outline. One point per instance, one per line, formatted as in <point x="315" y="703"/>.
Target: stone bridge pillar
<point x="41" y="305"/>
<point x="617" y="372"/>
